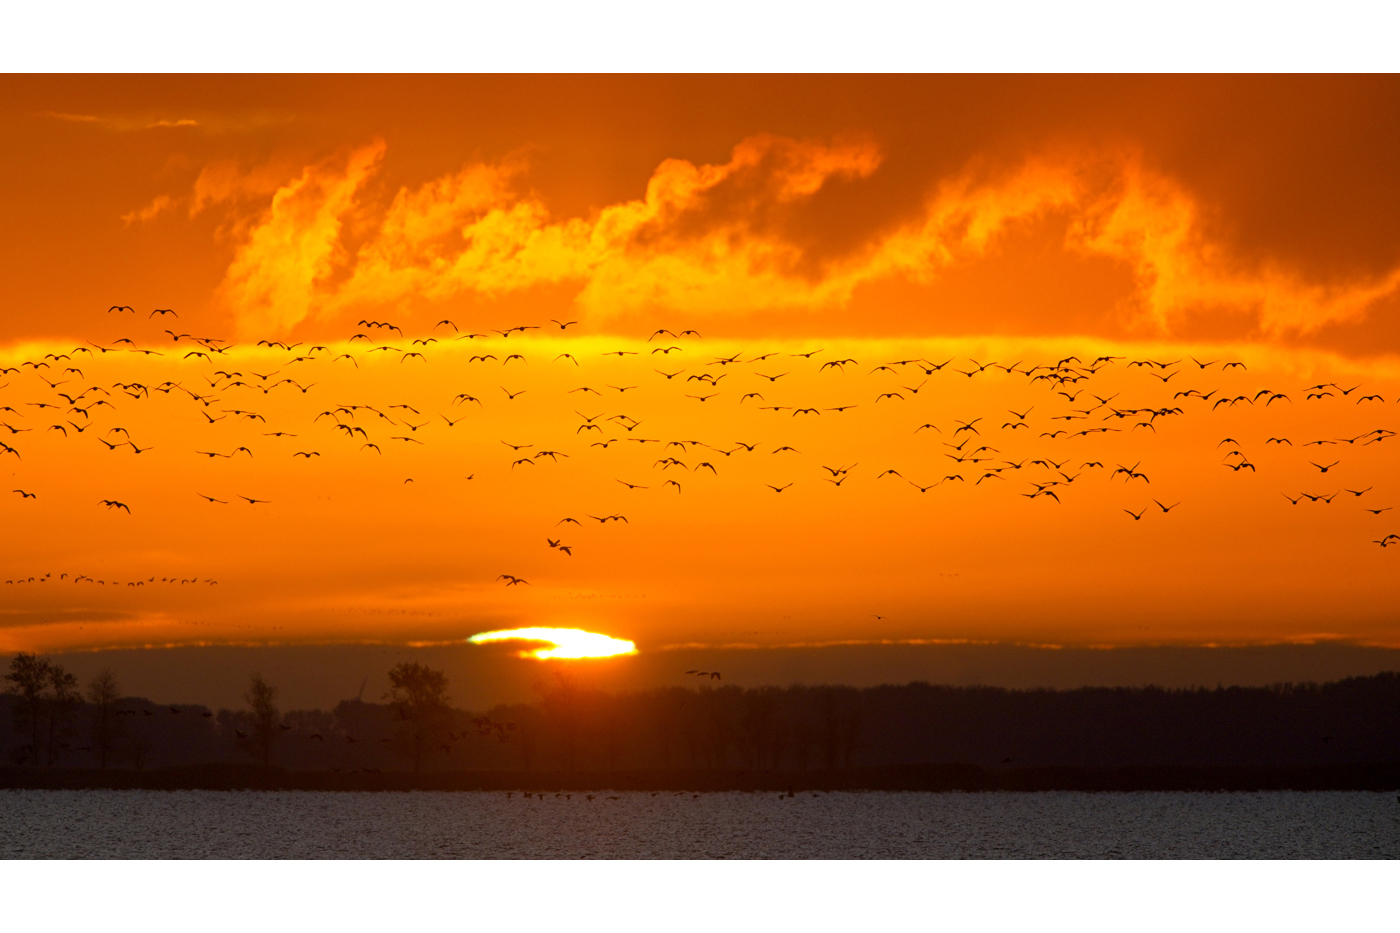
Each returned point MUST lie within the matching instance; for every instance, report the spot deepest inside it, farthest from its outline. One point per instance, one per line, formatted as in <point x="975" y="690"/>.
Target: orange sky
<point x="1016" y="221"/>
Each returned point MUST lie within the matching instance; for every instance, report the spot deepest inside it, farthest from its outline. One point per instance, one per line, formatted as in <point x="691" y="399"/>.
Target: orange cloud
<point x="123" y="123"/>
<point x="738" y="237"/>
<point x="159" y="204"/>
<point x="1154" y="225"/>
<point x="225" y="182"/>
<point x="274" y="279"/>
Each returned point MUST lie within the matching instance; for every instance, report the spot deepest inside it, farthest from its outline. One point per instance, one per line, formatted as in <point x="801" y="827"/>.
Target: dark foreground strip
<point x="1377" y="776"/>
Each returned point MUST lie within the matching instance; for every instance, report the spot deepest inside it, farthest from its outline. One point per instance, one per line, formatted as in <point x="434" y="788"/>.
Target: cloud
<point x="160" y="203"/>
<point x="70" y="117"/>
<point x="1151" y="223"/>
<point x="277" y="273"/>
<point x="123" y="123"/>
<point x="746" y="235"/>
<point x="226" y="182"/>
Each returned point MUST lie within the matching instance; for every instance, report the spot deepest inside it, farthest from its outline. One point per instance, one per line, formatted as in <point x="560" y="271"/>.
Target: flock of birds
<point x="56" y="393"/>
<point x="86" y="578"/>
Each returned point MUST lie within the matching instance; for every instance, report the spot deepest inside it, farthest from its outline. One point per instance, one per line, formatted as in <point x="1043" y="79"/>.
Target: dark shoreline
<point x="1373" y="776"/>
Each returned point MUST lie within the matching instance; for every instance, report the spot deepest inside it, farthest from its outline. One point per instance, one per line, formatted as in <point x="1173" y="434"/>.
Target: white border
<point x="679" y="897"/>
<point x="722" y="35"/>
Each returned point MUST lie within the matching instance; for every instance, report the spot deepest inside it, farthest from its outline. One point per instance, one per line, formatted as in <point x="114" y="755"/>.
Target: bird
<point x="777" y="488"/>
<point x="26" y="495"/>
<point x="1137" y="516"/>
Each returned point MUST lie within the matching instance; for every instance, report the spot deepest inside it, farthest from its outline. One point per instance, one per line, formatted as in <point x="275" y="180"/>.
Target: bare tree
<point x="63" y="697"/>
<point x="103" y="693"/>
<point x="29" y="677"/>
<point x="261" y="699"/>
<point x="419" y="696"/>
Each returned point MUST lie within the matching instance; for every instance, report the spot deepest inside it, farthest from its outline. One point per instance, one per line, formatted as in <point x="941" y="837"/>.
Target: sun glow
<point x="560" y="643"/>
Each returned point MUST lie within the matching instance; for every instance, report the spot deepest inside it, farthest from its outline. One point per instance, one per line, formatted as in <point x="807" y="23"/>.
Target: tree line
<point x="57" y="722"/>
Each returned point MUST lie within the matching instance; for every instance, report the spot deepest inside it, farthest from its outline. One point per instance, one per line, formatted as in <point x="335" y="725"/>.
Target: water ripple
<point x="872" y="825"/>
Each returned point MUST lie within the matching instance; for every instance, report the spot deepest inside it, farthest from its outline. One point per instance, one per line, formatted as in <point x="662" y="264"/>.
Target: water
<point x="1058" y="824"/>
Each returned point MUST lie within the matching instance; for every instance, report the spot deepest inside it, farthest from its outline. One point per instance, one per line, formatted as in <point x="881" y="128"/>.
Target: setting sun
<point x="560" y="643"/>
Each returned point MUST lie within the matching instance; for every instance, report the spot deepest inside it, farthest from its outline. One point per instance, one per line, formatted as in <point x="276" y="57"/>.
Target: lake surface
<point x="1057" y="824"/>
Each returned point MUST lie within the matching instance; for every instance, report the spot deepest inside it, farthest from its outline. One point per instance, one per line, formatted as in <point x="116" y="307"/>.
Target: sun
<point x="559" y="643"/>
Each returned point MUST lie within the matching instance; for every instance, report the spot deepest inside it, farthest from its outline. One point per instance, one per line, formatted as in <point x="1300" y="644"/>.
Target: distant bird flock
<point x="1061" y="436"/>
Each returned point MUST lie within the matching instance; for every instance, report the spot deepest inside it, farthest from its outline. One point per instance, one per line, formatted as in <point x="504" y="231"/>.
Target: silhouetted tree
<point x="29" y="678"/>
<point x="103" y="693"/>
<point x="63" y="696"/>
<point x="559" y="702"/>
<point x="140" y="741"/>
<point x="262" y="709"/>
<point x="802" y="747"/>
<point x="841" y="722"/>
<point x="666" y="709"/>
<point x="418" y="695"/>
<point x="1352" y="721"/>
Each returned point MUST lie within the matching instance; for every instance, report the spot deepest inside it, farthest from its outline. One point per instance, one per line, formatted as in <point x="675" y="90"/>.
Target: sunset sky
<point x="987" y="240"/>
